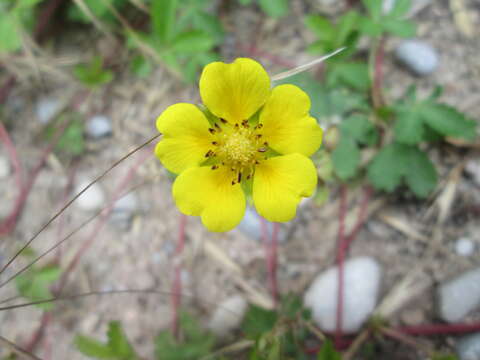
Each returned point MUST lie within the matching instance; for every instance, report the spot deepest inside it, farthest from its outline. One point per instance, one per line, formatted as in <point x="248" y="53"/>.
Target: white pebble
<point x="4" y="167"/>
<point x="46" y="109"/>
<point x="92" y="199"/>
<point x="251" y="225"/>
<point x="468" y="347"/>
<point x="464" y="247"/>
<point x="418" y="56"/>
<point x="227" y="316"/>
<point x="127" y="203"/>
<point x="98" y="126"/>
<point x="361" y="286"/>
<point x="460" y="296"/>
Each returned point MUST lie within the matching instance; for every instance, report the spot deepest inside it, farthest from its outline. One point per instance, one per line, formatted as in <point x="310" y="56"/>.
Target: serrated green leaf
<point x="93" y="348"/>
<point x="374" y="8"/>
<point x="210" y="24"/>
<point x="420" y="175"/>
<point x="346" y="157"/>
<point x="163" y="19"/>
<point x="401" y="28"/>
<point x="258" y="321"/>
<point x="118" y="342"/>
<point x="191" y="42"/>
<point x="72" y="141"/>
<point x="274" y="8"/>
<point x="34" y="284"/>
<point x="409" y="127"/>
<point x="400" y="8"/>
<point x="321" y="26"/>
<point x="447" y="120"/>
<point x="386" y="169"/>
<point x="352" y="74"/>
<point x="370" y="27"/>
<point x="328" y="352"/>
<point x="346" y="27"/>
<point x="93" y="74"/>
<point x="360" y="128"/>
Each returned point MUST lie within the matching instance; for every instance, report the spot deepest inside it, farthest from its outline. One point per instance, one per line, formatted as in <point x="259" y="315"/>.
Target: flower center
<point x="239" y="147"/>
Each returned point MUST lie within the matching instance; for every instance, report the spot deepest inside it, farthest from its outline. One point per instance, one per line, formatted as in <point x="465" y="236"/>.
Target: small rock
<point x="121" y="219"/>
<point x="472" y="168"/>
<point x="251" y="225"/>
<point x="361" y="286"/>
<point x="46" y="109"/>
<point x="4" y="167"/>
<point x="459" y="296"/>
<point x="418" y="56"/>
<point x="468" y="347"/>
<point x="98" y="126"/>
<point x="127" y="203"/>
<point x="464" y="247"/>
<point x="227" y="316"/>
<point x="92" y="199"/>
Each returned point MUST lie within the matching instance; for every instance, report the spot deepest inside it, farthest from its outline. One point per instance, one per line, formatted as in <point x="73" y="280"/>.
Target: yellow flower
<point x="249" y="137"/>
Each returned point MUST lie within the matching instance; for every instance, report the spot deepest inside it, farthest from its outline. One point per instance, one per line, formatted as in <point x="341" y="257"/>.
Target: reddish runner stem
<point x="177" y="276"/>
<point x="379" y="54"/>
<point x="440" y="329"/>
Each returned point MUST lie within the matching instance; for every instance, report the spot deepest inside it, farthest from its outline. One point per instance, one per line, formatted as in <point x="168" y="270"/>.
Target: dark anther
<point x="248" y="177"/>
<point x="236" y="126"/>
<point x="219" y="129"/>
<point x="265" y="143"/>
<point x="233" y="182"/>
<point x="214" y="143"/>
<point x="262" y="150"/>
<point x="209" y="153"/>
<point x="239" y="177"/>
<point x="258" y="126"/>
<point x="259" y="136"/>
<point x="212" y="131"/>
<point x="223" y="120"/>
<point x="214" y="167"/>
<point x="256" y="162"/>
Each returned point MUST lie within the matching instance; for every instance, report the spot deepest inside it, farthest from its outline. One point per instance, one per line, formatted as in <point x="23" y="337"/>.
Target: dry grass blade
<point x="17" y="350"/>
<point x="98" y="178"/>
<point x="402" y="226"/>
<point x="235" y="347"/>
<point x="305" y="67"/>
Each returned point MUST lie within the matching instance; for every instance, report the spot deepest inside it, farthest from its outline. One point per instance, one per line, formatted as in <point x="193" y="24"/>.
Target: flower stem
<point x="341" y="248"/>
<point x="271" y="251"/>
<point x="177" y="276"/>
<point x="376" y="67"/>
<point x="440" y="329"/>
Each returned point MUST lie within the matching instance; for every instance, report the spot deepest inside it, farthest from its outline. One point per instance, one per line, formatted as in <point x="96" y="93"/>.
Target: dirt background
<point x="401" y="232"/>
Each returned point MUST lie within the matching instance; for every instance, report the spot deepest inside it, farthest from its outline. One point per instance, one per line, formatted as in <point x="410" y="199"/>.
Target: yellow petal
<point x="287" y="125"/>
<point x="280" y="183"/>
<point x="201" y="191"/>
<point x="186" y="139"/>
<point x="234" y="91"/>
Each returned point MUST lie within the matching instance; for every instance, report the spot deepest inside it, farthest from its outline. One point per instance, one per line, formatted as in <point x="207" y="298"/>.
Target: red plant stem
<point x="271" y="252"/>
<point x="340" y="260"/>
<point x="38" y="334"/>
<point x="177" y="276"/>
<point x="101" y="222"/>
<point x="440" y="329"/>
<point x="361" y="217"/>
<point x="379" y="55"/>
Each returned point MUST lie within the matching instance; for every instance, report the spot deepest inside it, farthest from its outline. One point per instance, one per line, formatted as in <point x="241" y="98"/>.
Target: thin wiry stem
<point x="98" y="178"/>
<point x="177" y="276"/>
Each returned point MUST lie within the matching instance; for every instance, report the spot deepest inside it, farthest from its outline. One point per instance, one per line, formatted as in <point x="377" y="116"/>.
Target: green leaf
<point x="93" y="75"/>
<point x="402" y="28"/>
<point x="258" y="321"/>
<point x="361" y="129"/>
<point x="386" y="169"/>
<point x="421" y="175"/>
<point x="193" y="41"/>
<point x="374" y="8"/>
<point x="245" y="2"/>
<point x="118" y="342"/>
<point x="210" y="24"/>
<point x="354" y="75"/>
<point x="346" y="29"/>
<point x="141" y="66"/>
<point x="400" y="8"/>
<point x="93" y="348"/>
<point x="346" y="157"/>
<point x="274" y="8"/>
<point x="370" y="27"/>
<point x="447" y="120"/>
<point x="409" y="127"/>
<point x="10" y="39"/>
<point x="163" y="19"/>
<point x="35" y="283"/>
<point x="328" y="352"/>
<point x="72" y="141"/>
<point x="321" y="26"/>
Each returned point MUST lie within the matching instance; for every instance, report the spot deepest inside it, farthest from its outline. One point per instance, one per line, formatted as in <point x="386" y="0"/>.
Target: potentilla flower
<point x="246" y="139"/>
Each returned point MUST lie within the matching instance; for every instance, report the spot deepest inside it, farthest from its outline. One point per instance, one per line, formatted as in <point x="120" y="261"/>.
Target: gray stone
<point x="361" y="286"/>
<point x="4" y="167"/>
<point x="121" y="219"/>
<point x="468" y="347"/>
<point x="228" y="316"/>
<point x="127" y="203"/>
<point x="460" y="296"/>
<point x="417" y="56"/>
<point x="251" y="225"/>
<point x="98" y="126"/>
<point x="46" y="109"/>
<point x="92" y="199"/>
<point x="464" y="247"/>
